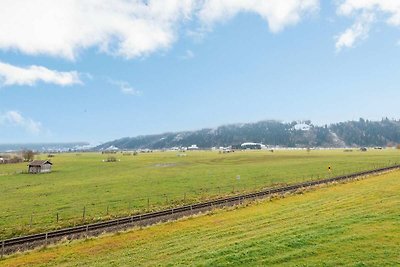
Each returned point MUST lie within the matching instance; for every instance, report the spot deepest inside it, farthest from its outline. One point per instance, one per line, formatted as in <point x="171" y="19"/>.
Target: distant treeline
<point x="351" y="133"/>
<point x="368" y="133"/>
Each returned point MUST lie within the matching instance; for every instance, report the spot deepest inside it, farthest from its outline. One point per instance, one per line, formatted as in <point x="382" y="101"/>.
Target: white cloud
<point x="13" y="75"/>
<point x="365" y="13"/>
<point x="391" y="8"/>
<point x="125" y="87"/>
<point x="277" y="13"/>
<point x="358" y="31"/>
<point x="126" y="28"/>
<point x="14" y="118"/>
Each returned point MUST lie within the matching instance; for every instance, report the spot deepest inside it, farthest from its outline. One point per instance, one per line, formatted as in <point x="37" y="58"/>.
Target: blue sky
<point x="185" y="65"/>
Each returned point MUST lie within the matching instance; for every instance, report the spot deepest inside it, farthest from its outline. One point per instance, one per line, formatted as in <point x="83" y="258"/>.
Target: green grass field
<point x="353" y="224"/>
<point x="30" y="203"/>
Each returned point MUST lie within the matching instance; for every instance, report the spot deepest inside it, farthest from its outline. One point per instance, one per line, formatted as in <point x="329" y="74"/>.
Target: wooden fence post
<point x="46" y="239"/>
<point x="107" y="210"/>
<point x="148" y="204"/>
<point x="84" y="213"/>
<point x="30" y="223"/>
<point x="57" y="217"/>
<point x="2" y="249"/>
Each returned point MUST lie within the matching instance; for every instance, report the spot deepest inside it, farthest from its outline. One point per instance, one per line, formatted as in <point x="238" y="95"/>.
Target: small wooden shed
<point x="40" y="166"/>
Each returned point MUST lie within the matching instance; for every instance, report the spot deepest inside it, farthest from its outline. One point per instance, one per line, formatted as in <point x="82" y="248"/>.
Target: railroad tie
<point x="2" y="249"/>
<point x="231" y="200"/>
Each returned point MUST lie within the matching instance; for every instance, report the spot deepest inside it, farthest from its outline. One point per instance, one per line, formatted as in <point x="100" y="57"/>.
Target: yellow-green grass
<point x="162" y="178"/>
<point x="353" y="224"/>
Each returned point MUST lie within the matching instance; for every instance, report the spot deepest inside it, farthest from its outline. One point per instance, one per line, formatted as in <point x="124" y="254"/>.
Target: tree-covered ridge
<point x="367" y="133"/>
<point x="274" y="133"/>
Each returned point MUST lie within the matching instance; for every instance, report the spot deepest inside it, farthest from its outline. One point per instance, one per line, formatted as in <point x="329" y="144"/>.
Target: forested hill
<point x="295" y="134"/>
<point x="368" y="133"/>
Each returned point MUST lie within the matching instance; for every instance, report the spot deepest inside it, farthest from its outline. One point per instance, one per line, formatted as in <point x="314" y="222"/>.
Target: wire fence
<point x="32" y="221"/>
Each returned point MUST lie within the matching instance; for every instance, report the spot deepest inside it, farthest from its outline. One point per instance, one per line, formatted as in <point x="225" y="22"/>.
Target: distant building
<point x="193" y="147"/>
<point x="302" y="127"/>
<point x="9" y="159"/>
<point x="40" y="166"/>
<point x="251" y="146"/>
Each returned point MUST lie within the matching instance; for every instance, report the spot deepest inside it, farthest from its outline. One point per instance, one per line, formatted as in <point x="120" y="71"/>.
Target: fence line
<point x="34" y="221"/>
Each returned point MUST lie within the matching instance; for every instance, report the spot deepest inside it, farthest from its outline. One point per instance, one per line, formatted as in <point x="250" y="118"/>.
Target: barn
<point x="40" y="166"/>
<point x="251" y="146"/>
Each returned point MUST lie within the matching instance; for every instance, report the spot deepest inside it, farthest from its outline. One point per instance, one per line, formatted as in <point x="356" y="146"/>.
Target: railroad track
<point x="27" y="242"/>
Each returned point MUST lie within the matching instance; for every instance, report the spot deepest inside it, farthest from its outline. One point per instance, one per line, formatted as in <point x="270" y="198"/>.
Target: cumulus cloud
<point x="277" y="13"/>
<point x="14" y="118"/>
<point x="125" y="87"/>
<point x="126" y="28"/>
<point x="13" y="75"/>
<point x="365" y="13"/>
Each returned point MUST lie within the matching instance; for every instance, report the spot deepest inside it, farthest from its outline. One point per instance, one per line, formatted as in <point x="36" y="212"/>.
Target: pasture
<point x="83" y="188"/>
<point x="353" y="224"/>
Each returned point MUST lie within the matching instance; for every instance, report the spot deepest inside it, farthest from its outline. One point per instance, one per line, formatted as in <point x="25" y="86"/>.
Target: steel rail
<point x="159" y="215"/>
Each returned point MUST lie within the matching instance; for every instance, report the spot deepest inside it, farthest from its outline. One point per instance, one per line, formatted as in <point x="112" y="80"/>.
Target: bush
<point x="28" y="155"/>
<point x="111" y="159"/>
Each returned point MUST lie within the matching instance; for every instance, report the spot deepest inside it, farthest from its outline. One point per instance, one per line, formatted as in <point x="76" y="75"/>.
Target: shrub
<point x="28" y="155"/>
<point x="111" y="159"/>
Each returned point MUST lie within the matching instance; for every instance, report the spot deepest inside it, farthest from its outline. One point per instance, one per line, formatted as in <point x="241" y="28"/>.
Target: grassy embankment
<point x="163" y="178"/>
<point x="353" y="224"/>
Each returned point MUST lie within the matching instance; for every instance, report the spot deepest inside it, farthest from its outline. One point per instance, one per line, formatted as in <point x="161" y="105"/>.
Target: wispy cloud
<point x="197" y="34"/>
<point x="365" y="13"/>
<point x="189" y="54"/>
<point x="13" y="75"/>
<point x="125" y="87"/>
<point x="126" y="28"/>
<point x="358" y="31"/>
<point x="15" y="118"/>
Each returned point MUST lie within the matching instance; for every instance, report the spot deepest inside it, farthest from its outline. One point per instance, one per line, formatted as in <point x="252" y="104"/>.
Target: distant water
<point x="41" y="147"/>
